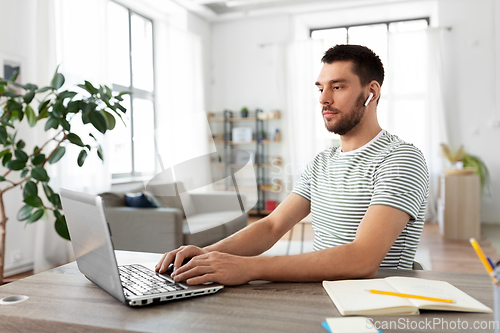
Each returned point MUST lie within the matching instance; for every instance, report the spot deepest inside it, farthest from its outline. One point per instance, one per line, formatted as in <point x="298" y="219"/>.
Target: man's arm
<point x="252" y="240"/>
<point x="260" y="236"/>
<point x="360" y="259"/>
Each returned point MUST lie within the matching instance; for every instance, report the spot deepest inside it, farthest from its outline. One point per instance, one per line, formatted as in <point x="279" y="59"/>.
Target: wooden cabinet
<point x="459" y="214"/>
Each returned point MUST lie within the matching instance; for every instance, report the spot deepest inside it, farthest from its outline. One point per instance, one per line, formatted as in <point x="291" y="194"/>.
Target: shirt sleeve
<point x="402" y="181"/>
<point x="303" y="186"/>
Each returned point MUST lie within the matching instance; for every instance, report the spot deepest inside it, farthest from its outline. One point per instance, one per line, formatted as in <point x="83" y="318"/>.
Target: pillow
<point x="139" y="200"/>
<point x="111" y="199"/>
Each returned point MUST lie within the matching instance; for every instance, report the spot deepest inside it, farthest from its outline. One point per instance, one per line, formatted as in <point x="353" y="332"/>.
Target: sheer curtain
<point x="303" y="122"/>
<point x="80" y="51"/>
<point x="415" y="110"/>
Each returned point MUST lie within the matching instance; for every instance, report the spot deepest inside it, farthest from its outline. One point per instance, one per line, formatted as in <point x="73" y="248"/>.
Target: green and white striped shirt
<point x="341" y="186"/>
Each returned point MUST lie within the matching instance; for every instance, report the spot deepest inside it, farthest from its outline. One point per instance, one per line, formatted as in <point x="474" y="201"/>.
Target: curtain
<point x="80" y="52"/>
<point x="304" y="125"/>
<point x="415" y="110"/>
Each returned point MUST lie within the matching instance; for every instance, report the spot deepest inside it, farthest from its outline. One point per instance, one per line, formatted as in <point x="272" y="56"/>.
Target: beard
<point x="346" y="122"/>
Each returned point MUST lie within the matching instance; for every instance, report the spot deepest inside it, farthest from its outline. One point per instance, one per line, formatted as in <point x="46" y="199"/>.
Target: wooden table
<point x="63" y="300"/>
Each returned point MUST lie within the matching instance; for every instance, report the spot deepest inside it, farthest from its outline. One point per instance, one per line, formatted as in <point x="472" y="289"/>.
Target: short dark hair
<point x="367" y="65"/>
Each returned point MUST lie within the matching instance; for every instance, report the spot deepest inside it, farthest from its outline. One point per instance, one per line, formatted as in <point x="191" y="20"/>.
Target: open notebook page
<point x="439" y="289"/>
<point x="351" y="297"/>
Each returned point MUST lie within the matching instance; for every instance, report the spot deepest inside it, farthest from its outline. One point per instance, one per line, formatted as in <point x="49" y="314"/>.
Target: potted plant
<point x="465" y="163"/>
<point x="52" y="108"/>
<point x="244" y="112"/>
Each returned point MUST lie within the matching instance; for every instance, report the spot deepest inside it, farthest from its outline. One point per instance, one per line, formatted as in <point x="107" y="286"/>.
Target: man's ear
<point x="374" y="88"/>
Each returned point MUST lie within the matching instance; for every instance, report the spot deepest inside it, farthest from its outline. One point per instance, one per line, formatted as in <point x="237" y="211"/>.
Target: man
<point x="367" y="197"/>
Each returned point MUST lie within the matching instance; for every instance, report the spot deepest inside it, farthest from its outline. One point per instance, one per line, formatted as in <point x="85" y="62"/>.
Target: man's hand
<point x="217" y="267"/>
<point x="177" y="257"/>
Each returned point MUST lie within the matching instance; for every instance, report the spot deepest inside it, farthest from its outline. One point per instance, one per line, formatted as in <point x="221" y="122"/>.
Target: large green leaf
<point x="12" y="105"/>
<point x="35" y="216"/>
<point x="6" y="158"/>
<point x="37" y="159"/>
<point x="4" y="152"/>
<point x="30" y="86"/>
<point x="99" y="153"/>
<point x="20" y="144"/>
<point x="33" y="200"/>
<point x="48" y="192"/>
<point x="58" y="109"/>
<point x="15" y="165"/>
<point x="110" y="120"/>
<point x="31" y="116"/>
<point x="21" y="155"/>
<point x="24" y="212"/>
<point x="75" y="139"/>
<point x="52" y="123"/>
<point x="57" y="81"/>
<point x="59" y="153"/>
<point x="99" y="122"/>
<point x="56" y="200"/>
<point x="74" y="106"/>
<point x="24" y="173"/>
<point x="81" y="157"/>
<point x="65" y="124"/>
<point x="44" y="89"/>
<point x="62" y="228"/>
<point x="30" y="189"/>
<point x="28" y="97"/>
<point x="3" y="135"/>
<point x="67" y="94"/>
<point x="40" y="174"/>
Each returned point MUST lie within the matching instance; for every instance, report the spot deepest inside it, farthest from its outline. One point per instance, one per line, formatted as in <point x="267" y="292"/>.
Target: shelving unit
<point x="259" y="142"/>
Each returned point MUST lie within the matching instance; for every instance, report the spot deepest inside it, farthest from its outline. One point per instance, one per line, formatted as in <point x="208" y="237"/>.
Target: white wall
<point x="18" y="23"/>
<point x="244" y="74"/>
<point x="472" y="97"/>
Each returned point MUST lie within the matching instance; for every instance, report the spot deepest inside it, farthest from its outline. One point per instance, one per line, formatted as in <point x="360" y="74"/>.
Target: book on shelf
<point x="353" y="297"/>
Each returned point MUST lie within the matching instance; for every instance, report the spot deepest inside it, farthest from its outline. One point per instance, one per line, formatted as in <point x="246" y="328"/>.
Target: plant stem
<point x="3" y="222"/>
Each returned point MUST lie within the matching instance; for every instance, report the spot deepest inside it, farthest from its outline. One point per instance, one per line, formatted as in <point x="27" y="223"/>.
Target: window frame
<point x="136" y="93"/>
<point x="387" y="23"/>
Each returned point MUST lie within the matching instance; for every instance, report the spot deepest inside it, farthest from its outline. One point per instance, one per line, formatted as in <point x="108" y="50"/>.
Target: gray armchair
<point x="161" y="230"/>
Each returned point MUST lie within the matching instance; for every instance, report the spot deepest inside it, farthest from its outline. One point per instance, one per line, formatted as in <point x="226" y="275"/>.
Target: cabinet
<point x="459" y="213"/>
<point x="257" y="142"/>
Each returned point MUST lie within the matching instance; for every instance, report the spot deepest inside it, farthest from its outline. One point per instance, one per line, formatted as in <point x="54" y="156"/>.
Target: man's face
<point x="341" y="96"/>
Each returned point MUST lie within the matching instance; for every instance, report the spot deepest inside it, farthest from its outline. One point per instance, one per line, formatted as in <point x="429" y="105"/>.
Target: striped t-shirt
<point x="341" y="186"/>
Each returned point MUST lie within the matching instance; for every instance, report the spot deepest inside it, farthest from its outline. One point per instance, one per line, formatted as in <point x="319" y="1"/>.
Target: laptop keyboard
<point x="141" y="281"/>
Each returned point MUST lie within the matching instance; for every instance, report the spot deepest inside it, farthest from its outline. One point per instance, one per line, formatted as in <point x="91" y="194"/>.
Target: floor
<point x="434" y="252"/>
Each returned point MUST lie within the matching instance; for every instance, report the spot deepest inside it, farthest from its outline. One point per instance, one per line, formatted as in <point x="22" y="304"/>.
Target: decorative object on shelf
<point x="244" y="112"/>
<point x="271" y="205"/>
<point x="242" y="134"/>
<point x="464" y="163"/>
<point x="58" y="108"/>
<point x="277" y="135"/>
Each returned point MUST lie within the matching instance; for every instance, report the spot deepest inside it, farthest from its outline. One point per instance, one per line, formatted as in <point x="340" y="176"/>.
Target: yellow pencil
<point x="390" y="293"/>
<point x="483" y="259"/>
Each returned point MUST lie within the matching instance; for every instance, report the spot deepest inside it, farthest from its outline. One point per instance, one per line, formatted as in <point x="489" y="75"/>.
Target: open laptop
<point x="135" y="284"/>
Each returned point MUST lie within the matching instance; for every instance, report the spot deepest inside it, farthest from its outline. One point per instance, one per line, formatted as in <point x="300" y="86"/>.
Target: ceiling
<point x="216" y="10"/>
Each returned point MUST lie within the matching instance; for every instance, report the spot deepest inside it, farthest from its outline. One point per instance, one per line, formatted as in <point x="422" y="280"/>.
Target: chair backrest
<point x="417" y="266"/>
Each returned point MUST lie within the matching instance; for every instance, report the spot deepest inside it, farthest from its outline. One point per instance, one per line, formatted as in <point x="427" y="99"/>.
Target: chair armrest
<point x="157" y="230"/>
<point x="213" y="202"/>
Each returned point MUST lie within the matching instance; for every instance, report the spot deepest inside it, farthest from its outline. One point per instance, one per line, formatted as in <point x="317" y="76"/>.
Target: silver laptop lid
<point x="91" y="240"/>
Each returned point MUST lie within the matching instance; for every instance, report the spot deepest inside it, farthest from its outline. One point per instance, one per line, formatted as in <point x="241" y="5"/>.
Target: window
<point x="402" y="102"/>
<point x="130" y="52"/>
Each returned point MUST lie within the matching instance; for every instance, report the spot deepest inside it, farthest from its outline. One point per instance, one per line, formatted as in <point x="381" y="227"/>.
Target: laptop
<point x="135" y="285"/>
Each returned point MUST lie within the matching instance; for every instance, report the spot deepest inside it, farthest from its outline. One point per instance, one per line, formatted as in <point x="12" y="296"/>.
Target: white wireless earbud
<point x="369" y="99"/>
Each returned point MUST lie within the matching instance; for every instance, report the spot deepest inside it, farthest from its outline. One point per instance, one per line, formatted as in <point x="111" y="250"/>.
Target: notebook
<point x="351" y="297"/>
<point x="135" y="284"/>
